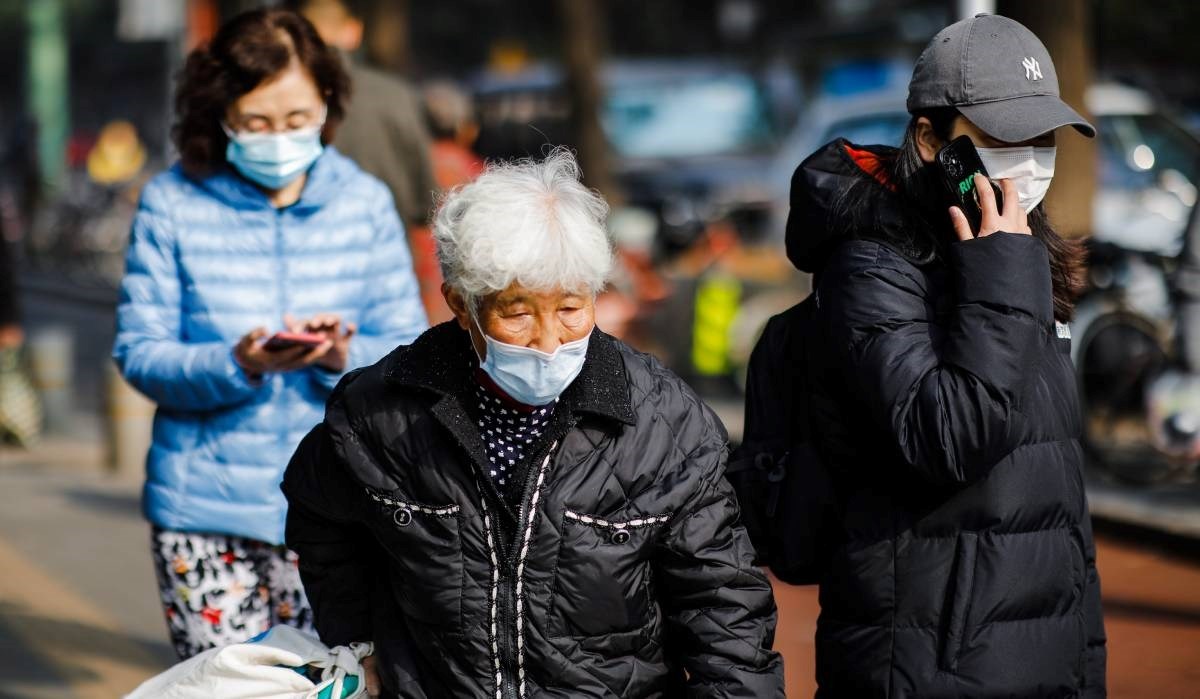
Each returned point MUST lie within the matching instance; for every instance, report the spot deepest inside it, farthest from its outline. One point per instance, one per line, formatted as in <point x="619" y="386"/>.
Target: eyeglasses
<point x="301" y="120"/>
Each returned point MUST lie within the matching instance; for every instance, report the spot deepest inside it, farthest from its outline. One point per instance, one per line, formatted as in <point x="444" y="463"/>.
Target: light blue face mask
<point x="273" y="160"/>
<point x="530" y="376"/>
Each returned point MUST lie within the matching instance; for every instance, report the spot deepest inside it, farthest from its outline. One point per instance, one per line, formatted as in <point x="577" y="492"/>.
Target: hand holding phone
<point x="330" y="327"/>
<point x="978" y="207"/>
<point x="958" y="163"/>
<point x="288" y="354"/>
<point x="288" y="340"/>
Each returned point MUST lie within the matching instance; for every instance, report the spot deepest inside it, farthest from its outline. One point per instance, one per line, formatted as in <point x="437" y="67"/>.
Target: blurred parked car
<point x="692" y="140"/>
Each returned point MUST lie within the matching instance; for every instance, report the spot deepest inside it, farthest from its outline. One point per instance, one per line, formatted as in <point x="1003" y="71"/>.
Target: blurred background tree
<point x="1065" y="26"/>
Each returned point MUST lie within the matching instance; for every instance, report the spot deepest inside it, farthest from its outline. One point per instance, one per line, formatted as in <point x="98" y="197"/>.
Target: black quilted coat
<point x="947" y="411"/>
<point x="617" y="571"/>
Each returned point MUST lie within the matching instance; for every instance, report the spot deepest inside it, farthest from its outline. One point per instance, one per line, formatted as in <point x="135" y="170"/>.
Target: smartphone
<point x="958" y="163"/>
<point x="286" y="340"/>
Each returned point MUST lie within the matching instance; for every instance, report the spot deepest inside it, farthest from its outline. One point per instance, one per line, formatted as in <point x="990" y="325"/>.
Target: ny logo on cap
<point x="1033" y="71"/>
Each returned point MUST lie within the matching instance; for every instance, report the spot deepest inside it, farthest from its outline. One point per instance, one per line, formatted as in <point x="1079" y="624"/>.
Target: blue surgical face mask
<point x="530" y="376"/>
<point x="273" y="160"/>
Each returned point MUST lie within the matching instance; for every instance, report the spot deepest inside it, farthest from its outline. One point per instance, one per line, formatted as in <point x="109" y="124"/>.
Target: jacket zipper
<point x="509" y="610"/>
<point x="280" y="290"/>
<point x="280" y="267"/>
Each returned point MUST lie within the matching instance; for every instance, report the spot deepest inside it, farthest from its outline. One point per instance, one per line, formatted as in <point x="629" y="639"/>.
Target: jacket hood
<point x="821" y="217"/>
<point x="327" y="177"/>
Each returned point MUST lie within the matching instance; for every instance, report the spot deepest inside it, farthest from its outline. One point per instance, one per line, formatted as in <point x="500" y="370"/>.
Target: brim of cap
<point x="1024" y="118"/>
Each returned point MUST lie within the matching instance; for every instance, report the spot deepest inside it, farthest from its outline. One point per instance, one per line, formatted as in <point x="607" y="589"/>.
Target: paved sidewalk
<point x="79" y="616"/>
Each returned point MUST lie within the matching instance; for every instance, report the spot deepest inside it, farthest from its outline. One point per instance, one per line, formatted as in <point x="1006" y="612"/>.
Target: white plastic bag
<point x="265" y="667"/>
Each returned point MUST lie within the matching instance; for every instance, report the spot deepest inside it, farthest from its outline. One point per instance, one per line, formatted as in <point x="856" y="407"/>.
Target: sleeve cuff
<point x="234" y="375"/>
<point x="326" y="378"/>
<point x="1007" y="270"/>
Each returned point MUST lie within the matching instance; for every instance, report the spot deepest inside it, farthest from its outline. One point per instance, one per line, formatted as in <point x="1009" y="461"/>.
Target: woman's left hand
<point x="330" y="325"/>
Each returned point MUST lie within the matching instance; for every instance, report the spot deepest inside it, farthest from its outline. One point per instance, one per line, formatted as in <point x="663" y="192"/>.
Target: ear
<point x="458" y="306"/>
<point x="928" y="143"/>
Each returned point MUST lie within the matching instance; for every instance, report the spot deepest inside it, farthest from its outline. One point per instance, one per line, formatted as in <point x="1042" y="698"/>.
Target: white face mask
<point x="1029" y="168"/>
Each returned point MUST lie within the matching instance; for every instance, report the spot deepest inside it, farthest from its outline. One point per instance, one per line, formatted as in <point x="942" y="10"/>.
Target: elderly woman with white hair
<point x="517" y="504"/>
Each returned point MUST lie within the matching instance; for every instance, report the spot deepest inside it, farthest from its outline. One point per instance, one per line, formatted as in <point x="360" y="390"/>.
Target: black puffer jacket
<point x="946" y="409"/>
<point x="619" y="570"/>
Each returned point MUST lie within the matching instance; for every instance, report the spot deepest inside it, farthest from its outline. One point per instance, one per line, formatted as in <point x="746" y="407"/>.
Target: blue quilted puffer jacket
<point x="210" y="260"/>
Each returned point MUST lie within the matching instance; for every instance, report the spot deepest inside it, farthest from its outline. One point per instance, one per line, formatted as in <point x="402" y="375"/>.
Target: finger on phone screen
<point x="962" y="228"/>
<point x="318" y="323"/>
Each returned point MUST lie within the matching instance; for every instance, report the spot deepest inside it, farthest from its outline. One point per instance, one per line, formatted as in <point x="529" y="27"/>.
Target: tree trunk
<point x="582" y="23"/>
<point x="1065" y="27"/>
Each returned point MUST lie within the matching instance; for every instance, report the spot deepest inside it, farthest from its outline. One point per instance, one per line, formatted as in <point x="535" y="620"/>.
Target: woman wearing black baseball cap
<point x="943" y="397"/>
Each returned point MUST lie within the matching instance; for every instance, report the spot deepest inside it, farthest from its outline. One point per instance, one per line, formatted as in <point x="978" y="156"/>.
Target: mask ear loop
<point x="482" y="336"/>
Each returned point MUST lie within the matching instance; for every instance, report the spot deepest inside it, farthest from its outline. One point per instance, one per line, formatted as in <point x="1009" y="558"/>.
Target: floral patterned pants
<point x="218" y="589"/>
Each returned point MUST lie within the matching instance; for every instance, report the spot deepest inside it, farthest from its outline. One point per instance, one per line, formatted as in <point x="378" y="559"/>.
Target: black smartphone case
<point x="958" y="162"/>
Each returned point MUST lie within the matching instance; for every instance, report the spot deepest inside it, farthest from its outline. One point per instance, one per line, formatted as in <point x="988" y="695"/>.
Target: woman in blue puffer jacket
<point x="260" y="227"/>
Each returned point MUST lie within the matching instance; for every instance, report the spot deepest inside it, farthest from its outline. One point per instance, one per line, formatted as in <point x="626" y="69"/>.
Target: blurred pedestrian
<point x="943" y="398"/>
<point x="542" y="506"/>
<point x="452" y="124"/>
<point x="17" y="168"/>
<point x="384" y="132"/>
<point x="20" y="406"/>
<point x="260" y="225"/>
<point x="11" y="335"/>
<point x="384" y="126"/>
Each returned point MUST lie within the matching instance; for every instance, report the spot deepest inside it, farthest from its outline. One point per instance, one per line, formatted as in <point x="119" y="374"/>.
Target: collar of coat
<point x="327" y="178"/>
<point x="442" y="360"/>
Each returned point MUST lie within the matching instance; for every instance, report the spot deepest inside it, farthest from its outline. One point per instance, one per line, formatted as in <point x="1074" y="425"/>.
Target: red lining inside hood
<point x="871" y="164"/>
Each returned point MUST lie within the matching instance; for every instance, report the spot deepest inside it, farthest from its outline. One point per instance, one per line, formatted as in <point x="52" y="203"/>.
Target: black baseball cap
<point x="998" y="74"/>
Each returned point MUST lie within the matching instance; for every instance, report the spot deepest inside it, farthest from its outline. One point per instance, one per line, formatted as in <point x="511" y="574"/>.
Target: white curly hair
<point x="529" y="221"/>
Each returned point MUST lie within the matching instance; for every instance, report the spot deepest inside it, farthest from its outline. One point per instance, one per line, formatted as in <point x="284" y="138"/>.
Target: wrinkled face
<point x="542" y="320"/>
<point x="285" y="102"/>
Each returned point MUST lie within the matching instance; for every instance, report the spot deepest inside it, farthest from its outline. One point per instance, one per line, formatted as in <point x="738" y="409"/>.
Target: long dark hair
<point x="925" y="230"/>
